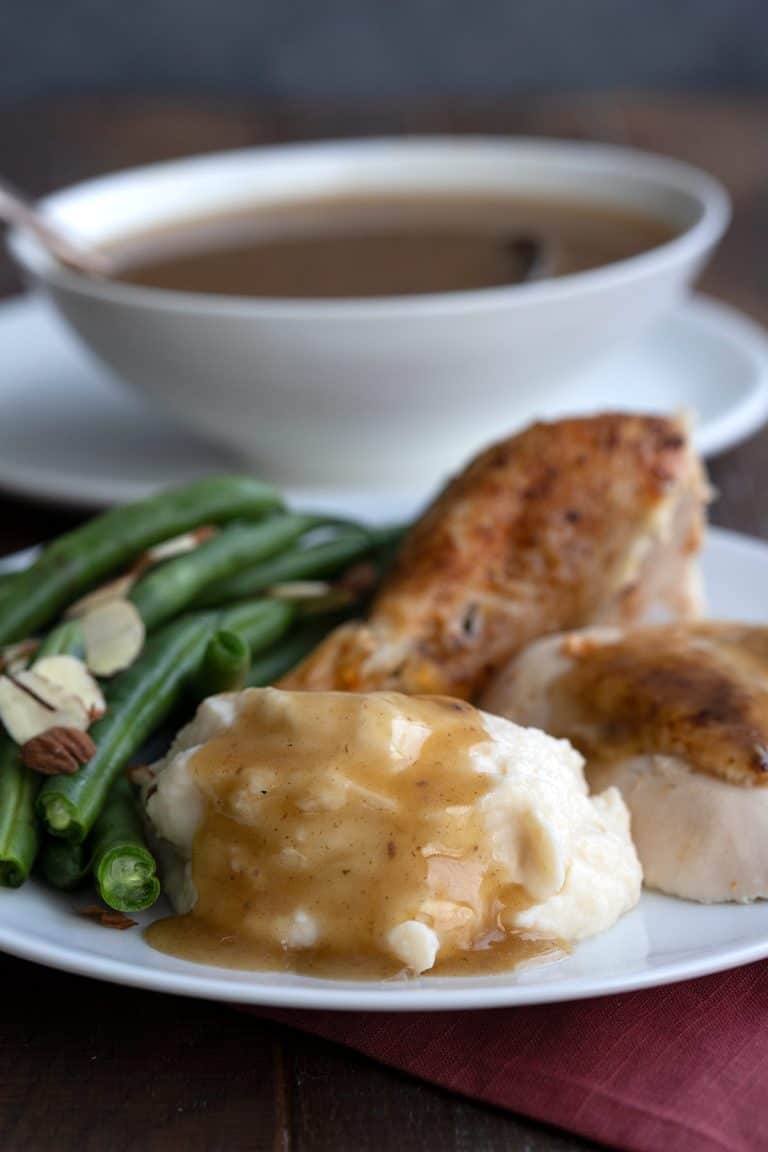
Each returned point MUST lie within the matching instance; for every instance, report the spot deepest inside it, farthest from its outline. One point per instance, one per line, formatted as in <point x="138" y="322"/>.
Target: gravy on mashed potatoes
<point x="367" y="835"/>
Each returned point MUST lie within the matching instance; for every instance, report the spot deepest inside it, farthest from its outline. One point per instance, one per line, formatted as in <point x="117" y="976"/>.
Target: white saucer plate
<point x="70" y="433"/>
<point x="662" y="941"/>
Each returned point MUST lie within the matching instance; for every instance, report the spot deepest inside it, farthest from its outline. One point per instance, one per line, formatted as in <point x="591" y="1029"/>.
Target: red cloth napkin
<point x="676" y="1069"/>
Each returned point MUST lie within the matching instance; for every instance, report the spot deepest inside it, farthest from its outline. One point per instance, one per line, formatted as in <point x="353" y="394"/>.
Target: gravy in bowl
<point x="395" y="245"/>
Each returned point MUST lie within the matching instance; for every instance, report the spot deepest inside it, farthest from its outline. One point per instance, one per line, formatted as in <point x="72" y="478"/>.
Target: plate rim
<point x="409" y="996"/>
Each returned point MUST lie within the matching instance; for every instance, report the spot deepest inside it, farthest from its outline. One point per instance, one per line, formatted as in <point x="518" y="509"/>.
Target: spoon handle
<point x="16" y="210"/>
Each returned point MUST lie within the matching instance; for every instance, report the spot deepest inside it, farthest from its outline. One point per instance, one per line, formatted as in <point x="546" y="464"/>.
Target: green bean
<point x="65" y="865"/>
<point x="6" y="583"/>
<point x="308" y="563"/>
<point x="279" y="660"/>
<point x="224" y="667"/>
<point x="258" y="622"/>
<point x="19" y="836"/>
<point x="6" y="588"/>
<point x="66" y="639"/>
<point x="79" y="559"/>
<point x="123" y="867"/>
<point x="138" y="701"/>
<point x="168" y="589"/>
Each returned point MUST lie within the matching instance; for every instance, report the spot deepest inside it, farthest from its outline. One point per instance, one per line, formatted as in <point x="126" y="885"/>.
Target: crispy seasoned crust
<point x="562" y="525"/>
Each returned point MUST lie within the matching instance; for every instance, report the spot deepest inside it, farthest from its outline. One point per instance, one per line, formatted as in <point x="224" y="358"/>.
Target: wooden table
<point x="88" y="1066"/>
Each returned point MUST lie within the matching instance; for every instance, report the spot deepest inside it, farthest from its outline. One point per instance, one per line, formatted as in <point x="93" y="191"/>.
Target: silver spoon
<point x="16" y="210"/>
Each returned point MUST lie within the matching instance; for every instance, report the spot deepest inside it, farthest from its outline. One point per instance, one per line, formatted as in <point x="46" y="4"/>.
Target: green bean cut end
<point x="58" y="815"/>
<point x="11" y="875"/>
<point x="127" y="880"/>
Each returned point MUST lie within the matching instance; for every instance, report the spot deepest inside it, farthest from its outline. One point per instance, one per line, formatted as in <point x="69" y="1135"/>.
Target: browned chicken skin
<point x="566" y="524"/>
<point x="676" y="717"/>
<point x="698" y="692"/>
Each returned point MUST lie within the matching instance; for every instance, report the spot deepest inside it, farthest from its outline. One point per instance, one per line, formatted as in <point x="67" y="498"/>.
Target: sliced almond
<point x="117" y="920"/>
<point x="334" y="601"/>
<point x="114" y="637"/>
<point x="106" y="593"/>
<point x="315" y="596"/>
<point x="72" y="675"/>
<point x="14" y="657"/>
<point x="299" y="590"/>
<point x="30" y="704"/>
<point x="175" y="546"/>
<point x="107" y="917"/>
<point x="120" y="586"/>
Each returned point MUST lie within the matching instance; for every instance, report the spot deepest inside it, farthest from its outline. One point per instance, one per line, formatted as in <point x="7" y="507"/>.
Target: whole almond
<point x="58" y="751"/>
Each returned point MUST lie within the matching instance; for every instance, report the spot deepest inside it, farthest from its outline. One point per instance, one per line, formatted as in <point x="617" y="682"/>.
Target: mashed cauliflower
<point x="412" y="828"/>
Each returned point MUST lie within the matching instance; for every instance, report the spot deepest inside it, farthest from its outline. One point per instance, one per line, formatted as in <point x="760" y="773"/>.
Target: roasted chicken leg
<point x="567" y="524"/>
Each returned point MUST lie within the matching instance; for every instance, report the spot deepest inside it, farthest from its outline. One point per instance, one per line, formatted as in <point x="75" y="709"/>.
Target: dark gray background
<point x="378" y="49"/>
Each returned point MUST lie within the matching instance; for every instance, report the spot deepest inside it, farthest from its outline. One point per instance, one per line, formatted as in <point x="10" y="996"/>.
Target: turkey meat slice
<point x="677" y="717"/>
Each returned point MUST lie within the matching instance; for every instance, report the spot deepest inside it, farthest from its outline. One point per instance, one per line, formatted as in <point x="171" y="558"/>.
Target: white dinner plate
<point x="663" y="940"/>
<point x="70" y="433"/>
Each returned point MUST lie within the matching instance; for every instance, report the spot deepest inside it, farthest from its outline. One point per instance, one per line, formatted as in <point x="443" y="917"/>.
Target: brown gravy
<point x="305" y="810"/>
<point x="345" y="247"/>
<point x="191" y="939"/>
